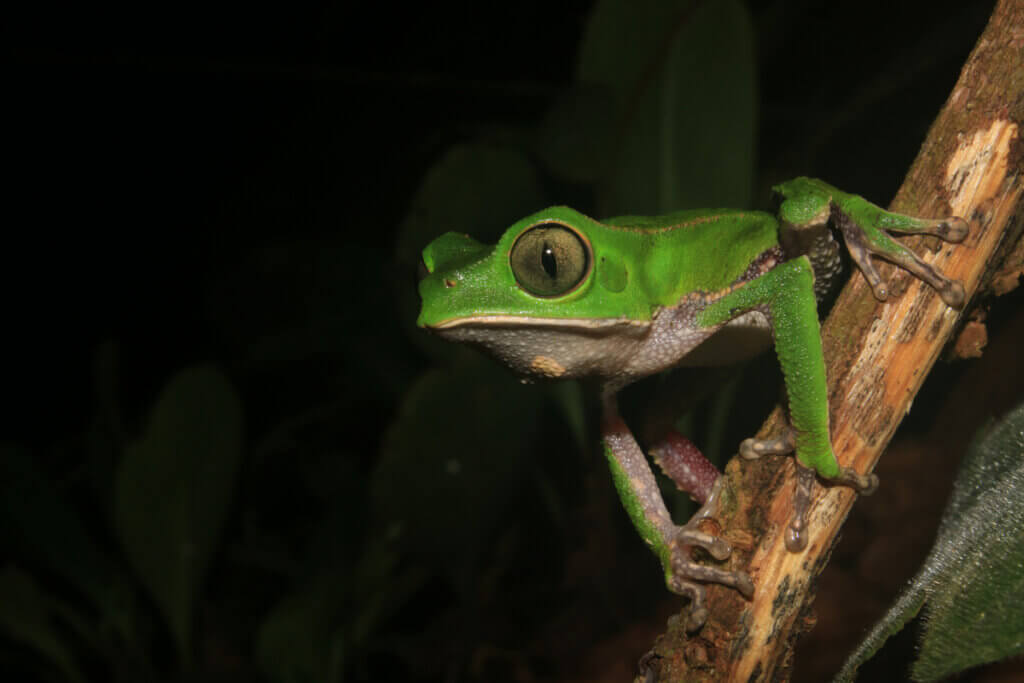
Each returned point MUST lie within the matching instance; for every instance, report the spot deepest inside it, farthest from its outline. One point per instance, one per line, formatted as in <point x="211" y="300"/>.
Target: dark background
<point x="161" y="156"/>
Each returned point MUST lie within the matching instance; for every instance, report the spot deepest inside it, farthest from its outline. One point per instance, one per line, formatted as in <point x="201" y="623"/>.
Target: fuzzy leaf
<point x="682" y="79"/>
<point x="26" y="617"/>
<point x="971" y="584"/>
<point x="173" y="488"/>
<point x="455" y="460"/>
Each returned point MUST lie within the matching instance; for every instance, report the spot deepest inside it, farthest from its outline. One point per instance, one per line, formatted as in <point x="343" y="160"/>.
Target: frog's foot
<point x="808" y="205"/>
<point x="684" y="464"/>
<point x="864" y="231"/>
<point x="796" y="533"/>
<point x="685" y="576"/>
<point x="751" y="449"/>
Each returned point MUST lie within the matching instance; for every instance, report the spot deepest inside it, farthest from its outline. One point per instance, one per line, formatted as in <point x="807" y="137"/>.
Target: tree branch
<point x="878" y="356"/>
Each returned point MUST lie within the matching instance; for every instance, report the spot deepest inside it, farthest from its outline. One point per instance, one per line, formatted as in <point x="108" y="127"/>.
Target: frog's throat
<point x="551" y="348"/>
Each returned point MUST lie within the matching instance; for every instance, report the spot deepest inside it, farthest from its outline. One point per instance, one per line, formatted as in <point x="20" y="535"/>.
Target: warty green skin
<point x="654" y="289"/>
<point x="640" y="264"/>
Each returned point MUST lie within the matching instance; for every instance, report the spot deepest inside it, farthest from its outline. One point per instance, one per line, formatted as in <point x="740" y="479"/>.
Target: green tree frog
<point x="562" y="295"/>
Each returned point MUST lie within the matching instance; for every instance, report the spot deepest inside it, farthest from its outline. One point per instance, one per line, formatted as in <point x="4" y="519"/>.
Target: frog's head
<point x="540" y="299"/>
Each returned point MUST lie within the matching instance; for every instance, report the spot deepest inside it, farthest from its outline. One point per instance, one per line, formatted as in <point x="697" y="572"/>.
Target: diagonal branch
<point x="878" y="356"/>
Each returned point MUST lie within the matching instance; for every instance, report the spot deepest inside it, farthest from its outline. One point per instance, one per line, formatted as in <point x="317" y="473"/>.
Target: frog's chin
<point x="548" y="348"/>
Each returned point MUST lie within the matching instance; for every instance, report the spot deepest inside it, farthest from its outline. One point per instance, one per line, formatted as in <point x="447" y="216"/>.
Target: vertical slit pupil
<point x="548" y="261"/>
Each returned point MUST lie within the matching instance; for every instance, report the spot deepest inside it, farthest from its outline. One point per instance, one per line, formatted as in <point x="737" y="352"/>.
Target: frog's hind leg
<point x="641" y="498"/>
<point x="684" y="464"/>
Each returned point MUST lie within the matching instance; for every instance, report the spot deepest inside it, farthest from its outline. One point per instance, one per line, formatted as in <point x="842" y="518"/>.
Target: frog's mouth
<point x="549" y="347"/>
<point x="519" y="322"/>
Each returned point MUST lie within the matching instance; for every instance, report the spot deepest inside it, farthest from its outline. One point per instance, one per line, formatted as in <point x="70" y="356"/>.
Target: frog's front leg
<point x="785" y="296"/>
<point x="642" y="500"/>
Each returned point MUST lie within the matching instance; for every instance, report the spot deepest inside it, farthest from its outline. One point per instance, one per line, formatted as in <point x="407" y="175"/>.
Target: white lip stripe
<point x="524" y="321"/>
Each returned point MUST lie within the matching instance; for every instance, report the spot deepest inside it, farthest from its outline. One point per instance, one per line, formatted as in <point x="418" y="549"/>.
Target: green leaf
<point x="290" y="307"/>
<point x="906" y="607"/>
<point x="454" y="460"/>
<point x="576" y="138"/>
<point x="971" y="583"/>
<point x="25" y="616"/>
<point x="301" y="640"/>
<point x="173" y="488"/>
<point x="683" y="79"/>
<point x="975" y="611"/>
<point x="326" y="624"/>
<point x="41" y="523"/>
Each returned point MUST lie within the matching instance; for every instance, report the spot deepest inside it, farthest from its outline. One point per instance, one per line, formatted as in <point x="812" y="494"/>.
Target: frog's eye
<point x="549" y="260"/>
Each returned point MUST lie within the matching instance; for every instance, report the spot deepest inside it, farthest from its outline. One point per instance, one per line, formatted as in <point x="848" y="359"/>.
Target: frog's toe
<point x="950" y="291"/>
<point x="752" y="449"/>
<point x="742" y="582"/>
<point x="860" y="251"/>
<point x="698" y="613"/>
<point x="878" y="286"/>
<point x="867" y="236"/>
<point x="864" y="484"/>
<point x="696" y="619"/>
<point x="686" y="576"/>
<point x="953" y="294"/>
<point x="796" y="532"/>
<point x="689" y="536"/>
<point x="953" y="229"/>
<point x="685" y="571"/>
<point x="796" y="536"/>
<point x="684" y="582"/>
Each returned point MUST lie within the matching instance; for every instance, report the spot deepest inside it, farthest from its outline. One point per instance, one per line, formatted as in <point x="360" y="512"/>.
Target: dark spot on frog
<point x="449" y="283"/>
<point x="612" y="274"/>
